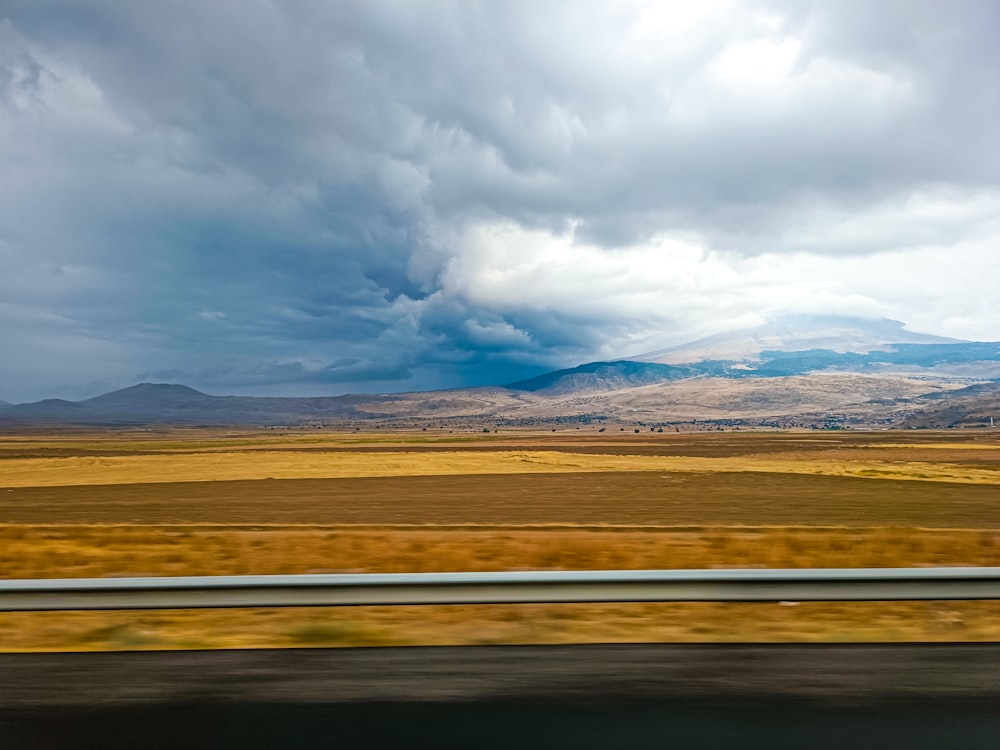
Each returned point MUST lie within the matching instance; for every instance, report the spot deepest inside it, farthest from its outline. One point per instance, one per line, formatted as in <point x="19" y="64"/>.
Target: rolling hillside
<point x="859" y="376"/>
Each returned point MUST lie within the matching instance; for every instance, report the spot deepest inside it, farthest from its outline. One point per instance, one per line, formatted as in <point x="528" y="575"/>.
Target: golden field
<point x="196" y="503"/>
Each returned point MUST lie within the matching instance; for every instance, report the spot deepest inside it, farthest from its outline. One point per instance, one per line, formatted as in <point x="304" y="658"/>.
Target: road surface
<point x="913" y="696"/>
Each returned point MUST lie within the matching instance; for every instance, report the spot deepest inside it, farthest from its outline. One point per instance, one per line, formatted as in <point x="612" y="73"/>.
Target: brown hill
<point x="975" y="406"/>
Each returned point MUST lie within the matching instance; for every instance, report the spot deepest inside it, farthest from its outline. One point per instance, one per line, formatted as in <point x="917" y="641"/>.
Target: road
<point x="912" y="696"/>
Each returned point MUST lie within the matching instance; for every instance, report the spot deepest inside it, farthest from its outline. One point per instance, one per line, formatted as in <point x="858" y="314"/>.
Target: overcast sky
<point x="318" y="197"/>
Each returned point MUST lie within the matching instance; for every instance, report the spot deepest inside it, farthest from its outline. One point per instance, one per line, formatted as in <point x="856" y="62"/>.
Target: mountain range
<point x="795" y="333"/>
<point x="796" y="371"/>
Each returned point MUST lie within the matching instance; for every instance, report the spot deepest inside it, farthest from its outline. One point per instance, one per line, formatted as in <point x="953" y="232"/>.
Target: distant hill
<point x="164" y="395"/>
<point x="618" y="393"/>
<point x="179" y="404"/>
<point x="603" y="376"/>
<point x="967" y="360"/>
<point x="163" y="403"/>
<point x="792" y="333"/>
<point x="45" y="408"/>
<point x="851" y="371"/>
<point x="969" y="407"/>
<point x="962" y="362"/>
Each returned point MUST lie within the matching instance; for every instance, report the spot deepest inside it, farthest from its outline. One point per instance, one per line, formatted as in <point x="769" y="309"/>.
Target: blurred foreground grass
<point x="94" y="551"/>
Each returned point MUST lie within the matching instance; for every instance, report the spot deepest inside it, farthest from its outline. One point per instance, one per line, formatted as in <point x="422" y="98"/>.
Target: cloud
<point x="251" y="195"/>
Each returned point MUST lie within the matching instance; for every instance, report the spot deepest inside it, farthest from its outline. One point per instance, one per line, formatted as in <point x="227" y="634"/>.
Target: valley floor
<point x="189" y="502"/>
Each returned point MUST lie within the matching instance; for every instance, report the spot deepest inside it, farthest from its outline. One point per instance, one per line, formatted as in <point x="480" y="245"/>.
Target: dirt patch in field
<point x="627" y="498"/>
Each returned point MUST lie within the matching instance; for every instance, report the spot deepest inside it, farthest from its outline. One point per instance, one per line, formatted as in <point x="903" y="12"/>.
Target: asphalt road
<point x="602" y="696"/>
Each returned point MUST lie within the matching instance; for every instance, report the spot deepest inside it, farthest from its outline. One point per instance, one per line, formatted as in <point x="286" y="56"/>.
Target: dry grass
<point x="143" y="525"/>
<point x="115" y="457"/>
<point x="232" y="466"/>
<point x="493" y="624"/>
<point x="99" y="551"/>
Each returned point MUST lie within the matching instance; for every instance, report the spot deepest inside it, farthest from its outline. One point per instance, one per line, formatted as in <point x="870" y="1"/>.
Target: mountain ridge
<point x="842" y="334"/>
<point x="894" y="382"/>
<point x="602" y="376"/>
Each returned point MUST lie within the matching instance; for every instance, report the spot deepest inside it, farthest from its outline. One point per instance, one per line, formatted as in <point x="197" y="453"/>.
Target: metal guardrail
<point x="535" y="587"/>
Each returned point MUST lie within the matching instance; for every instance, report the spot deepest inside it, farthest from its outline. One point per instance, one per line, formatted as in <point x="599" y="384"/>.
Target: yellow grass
<point x="490" y="624"/>
<point x="39" y="551"/>
<point x="90" y="550"/>
<point x="46" y="551"/>
<point x="203" y="467"/>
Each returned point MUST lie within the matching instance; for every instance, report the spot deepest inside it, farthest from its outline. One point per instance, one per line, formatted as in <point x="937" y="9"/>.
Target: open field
<point x="623" y="498"/>
<point x="194" y="503"/>
<point x="259" y="465"/>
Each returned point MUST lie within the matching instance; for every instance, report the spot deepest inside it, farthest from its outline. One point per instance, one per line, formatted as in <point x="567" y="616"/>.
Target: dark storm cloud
<point x="250" y="193"/>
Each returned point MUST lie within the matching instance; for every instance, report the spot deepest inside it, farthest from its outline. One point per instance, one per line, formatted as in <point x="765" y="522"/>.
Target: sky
<point x="320" y="197"/>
